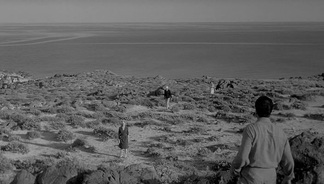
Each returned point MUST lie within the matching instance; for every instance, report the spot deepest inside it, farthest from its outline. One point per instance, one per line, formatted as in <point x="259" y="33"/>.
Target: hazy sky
<point x="31" y="11"/>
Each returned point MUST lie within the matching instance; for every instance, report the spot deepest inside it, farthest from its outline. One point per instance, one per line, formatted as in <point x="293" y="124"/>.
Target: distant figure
<point x="167" y="96"/>
<point x="123" y="139"/>
<point x="264" y="146"/>
<point x="212" y="88"/>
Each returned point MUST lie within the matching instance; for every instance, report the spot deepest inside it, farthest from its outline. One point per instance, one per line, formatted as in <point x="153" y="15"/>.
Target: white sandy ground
<point x="225" y="133"/>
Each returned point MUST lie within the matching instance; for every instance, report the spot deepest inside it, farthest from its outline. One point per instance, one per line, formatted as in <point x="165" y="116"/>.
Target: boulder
<point x="145" y="174"/>
<point x="308" y="153"/>
<point x="102" y="176"/>
<point x="57" y="175"/>
<point x="24" y="177"/>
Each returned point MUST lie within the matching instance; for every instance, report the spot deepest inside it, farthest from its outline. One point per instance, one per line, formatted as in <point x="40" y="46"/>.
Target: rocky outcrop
<point x="102" y="176"/>
<point x="57" y="175"/>
<point x="24" y="177"/>
<point x="308" y="153"/>
<point x="132" y="174"/>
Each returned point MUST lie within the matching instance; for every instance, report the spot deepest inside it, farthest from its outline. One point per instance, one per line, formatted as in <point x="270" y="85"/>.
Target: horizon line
<point x="162" y="22"/>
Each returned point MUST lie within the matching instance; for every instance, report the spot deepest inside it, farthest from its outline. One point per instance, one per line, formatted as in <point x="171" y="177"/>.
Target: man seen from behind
<point x="264" y="147"/>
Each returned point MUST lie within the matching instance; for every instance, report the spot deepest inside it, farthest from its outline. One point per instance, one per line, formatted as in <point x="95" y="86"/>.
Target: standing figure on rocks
<point x="264" y="147"/>
<point x="123" y="139"/>
<point x="212" y="88"/>
<point x="167" y="96"/>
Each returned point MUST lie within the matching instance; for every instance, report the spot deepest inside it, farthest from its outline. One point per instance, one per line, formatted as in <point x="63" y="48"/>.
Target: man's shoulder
<point x="250" y="129"/>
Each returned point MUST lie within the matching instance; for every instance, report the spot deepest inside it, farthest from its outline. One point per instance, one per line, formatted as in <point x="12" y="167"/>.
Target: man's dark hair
<point x="263" y="106"/>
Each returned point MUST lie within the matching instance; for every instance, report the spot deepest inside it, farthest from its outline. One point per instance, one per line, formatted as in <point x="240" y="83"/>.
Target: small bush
<point x="93" y="124"/>
<point x="299" y="105"/>
<point x="63" y="109"/>
<point x="33" y="135"/>
<point x="203" y="119"/>
<point x="211" y="109"/>
<point x="49" y="118"/>
<point x="62" y="116"/>
<point x="105" y="133"/>
<point x="76" y="121"/>
<point x="34" y="111"/>
<point x="153" y="152"/>
<point x="79" y="143"/>
<point x="5" y="164"/>
<point x="95" y="107"/>
<point x="85" y="114"/>
<point x="98" y="115"/>
<point x="319" y="117"/>
<point x="57" y="125"/>
<point x="187" y="99"/>
<point x="111" y="121"/>
<point x="189" y="106"/>
<point x="13" y="137"/>
<point x="288" y="115"/>
<point x="34" y="166"/>
<point x="64" y="135"/>
<point x="175" y="109"/>
<point x="146" y="102"/>
<point x="30" y="125"/>
<point x="15" y="147"/>
<point x="120" y="108"/>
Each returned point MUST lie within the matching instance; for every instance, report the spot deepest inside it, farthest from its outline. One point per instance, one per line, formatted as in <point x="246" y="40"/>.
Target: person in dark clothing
<point x="167" y="96"/>
<point x="123" y="139"/>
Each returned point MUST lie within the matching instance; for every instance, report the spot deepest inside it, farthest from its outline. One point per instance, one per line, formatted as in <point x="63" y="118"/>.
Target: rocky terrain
<point x="63" y="129"/>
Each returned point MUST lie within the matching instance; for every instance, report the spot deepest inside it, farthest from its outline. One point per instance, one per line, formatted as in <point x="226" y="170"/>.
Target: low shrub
<point x="299" y="105"/>
<point x="119" y="108"/>
<point x="93" y="124"/>
<point x="62" y="116"/>
<point x="63" y="109"/>
<point x="30" y="125"/>
<point x="85" y="114"/>
<point x="189" y="106"/>
<point x="79" y="143"/>
<point x="64" y="135"/>
<point x="98" y="115"/>
<point x="191" y="117"/>
<point x="175" y="109"/>
<point x="211" y="109"/>
<point x="153" y="152"/>
<point x="202" y="119"/>
<point x="146" y="102"/>
<point x="4" y="114"/>
<point x="57" y="125"/>
<point x="105" y="133"/>
<point x="15" y="147"/>
<point x="109" y="104"/>
<point x="319" y="117"/>
<point x="5" y="164"/>
<point x="34" y="111"/>
<point x="96" y="106"/>
<point x="111" y="121"/>
<point x="50" y="118"/>
<point x="34" y="166"/>
<point x="76" y="121"/>
<point x="33" y="135"/>
<point x="13" y="137"/>
<point x="187" y="99"/>
<point x="288" y="115"/>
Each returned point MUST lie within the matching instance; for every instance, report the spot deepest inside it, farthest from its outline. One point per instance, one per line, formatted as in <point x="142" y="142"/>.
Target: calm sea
<point x="177" y="50"/>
